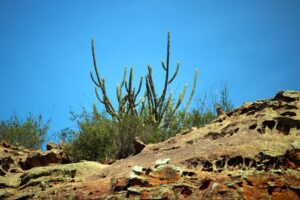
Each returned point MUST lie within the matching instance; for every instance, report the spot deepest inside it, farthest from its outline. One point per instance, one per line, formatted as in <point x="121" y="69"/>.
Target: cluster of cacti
<point x="127" y="103"/>
<point x="152" y="106"/>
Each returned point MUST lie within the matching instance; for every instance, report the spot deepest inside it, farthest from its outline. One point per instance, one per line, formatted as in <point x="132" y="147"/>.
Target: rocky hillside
<point x="250" y="153"/>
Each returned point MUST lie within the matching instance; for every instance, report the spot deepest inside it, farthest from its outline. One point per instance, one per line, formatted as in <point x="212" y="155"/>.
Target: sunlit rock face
<point x="16" y="159"/>
<point x="250" y="153"/>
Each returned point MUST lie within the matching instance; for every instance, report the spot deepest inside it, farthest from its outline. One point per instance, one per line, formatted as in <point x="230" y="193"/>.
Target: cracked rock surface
<point x="250" y="153"/>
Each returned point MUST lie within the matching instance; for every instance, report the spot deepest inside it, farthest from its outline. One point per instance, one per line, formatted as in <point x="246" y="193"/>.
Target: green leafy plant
<point x="29" y="133"/>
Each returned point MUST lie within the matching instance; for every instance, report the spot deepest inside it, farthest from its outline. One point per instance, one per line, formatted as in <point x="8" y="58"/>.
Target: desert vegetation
<point x="143" y="111"/>
<point x="154" y="117"/>
<point x="29" y="133"/>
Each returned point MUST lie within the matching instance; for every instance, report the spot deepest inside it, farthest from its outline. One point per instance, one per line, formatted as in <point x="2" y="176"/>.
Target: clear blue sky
<point x="45" y="51"/>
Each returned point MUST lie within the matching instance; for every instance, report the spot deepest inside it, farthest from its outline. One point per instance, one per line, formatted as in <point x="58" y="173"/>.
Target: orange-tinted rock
<point x="250" y="153"/>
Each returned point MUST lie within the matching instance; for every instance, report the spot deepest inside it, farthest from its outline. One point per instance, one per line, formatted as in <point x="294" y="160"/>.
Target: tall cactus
<point x="158" y="105"/>
<point x="152" y="106"/>
<point x="127" y="103"/>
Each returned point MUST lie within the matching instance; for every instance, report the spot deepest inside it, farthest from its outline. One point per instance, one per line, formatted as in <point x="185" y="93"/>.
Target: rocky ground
<point x="250" y="153"/>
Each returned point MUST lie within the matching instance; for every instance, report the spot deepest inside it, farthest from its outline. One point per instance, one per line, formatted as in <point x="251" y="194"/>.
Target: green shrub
<point x="94" y="139"/>
<point x="201" y="114"/>
<point x="101" y="138"/>
<point x="29" y="133"/>
<point x="129" y="128"/>
<point x="197" y="119"/>
<point x="224" y="101"/>
<point x="205" y="107"/>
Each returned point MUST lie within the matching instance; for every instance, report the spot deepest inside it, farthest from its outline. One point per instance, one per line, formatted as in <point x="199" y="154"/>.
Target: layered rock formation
<point x="250" y="153"/>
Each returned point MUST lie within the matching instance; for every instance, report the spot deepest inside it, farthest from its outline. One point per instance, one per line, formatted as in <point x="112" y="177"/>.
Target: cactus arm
<point x="119" y="93"/>
<point x="93" y="79"/>
<point x="175" y="74"/>
<point x="106" y="100"/>
<point x="139" y="88"/>
<point x="166" y="68"/>
<point x="163" y="65"/>
<point x="179" y="101"/>
<point x="100" y="83"/>
<point x="149" y="97"/>
<point x="97" y="95"/>
<point x="130" y="81"/>
<point x="168" y="105"/>
<point x="193" y="90"/>
<point x="95" y="64"/>
<point x="152" y="87"/>
<point x="124" y="77"/>
<point x="168" y="50"/>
